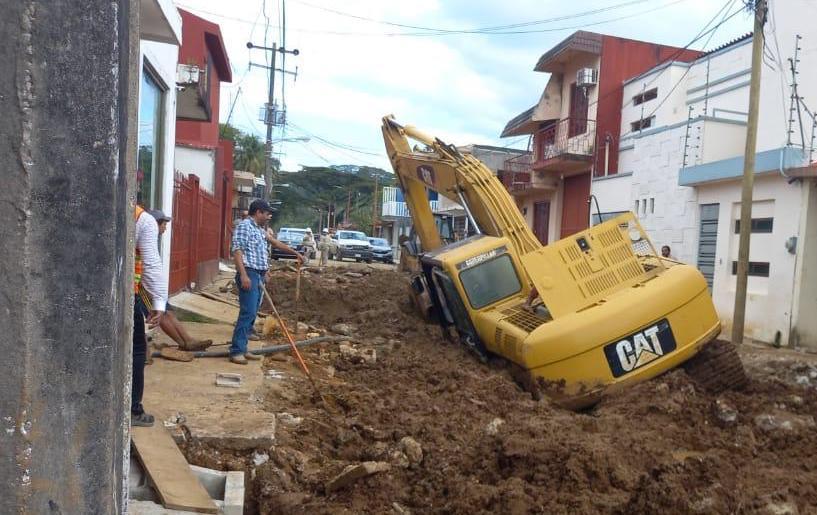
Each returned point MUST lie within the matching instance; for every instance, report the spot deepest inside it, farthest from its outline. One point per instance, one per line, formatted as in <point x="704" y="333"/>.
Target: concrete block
<point x="225" y="488"/>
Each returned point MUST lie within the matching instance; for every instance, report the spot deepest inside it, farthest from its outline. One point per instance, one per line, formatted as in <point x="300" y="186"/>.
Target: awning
<point x="160" y="21"/>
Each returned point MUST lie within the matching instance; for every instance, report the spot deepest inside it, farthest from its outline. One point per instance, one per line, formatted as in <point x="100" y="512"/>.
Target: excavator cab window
<point x="490" y="281"/>
<point x="454" y="312"/>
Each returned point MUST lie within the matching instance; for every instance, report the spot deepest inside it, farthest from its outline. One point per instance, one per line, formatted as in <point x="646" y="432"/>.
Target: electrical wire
<point x="703" y="32"/>
<point x="461" y="32"/>
<point x="477" y="30"/>
<point x="686" y="72"/>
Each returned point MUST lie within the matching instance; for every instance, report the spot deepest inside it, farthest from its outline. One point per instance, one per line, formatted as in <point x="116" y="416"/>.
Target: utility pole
<point x="269" y="113"/>
<point x="748" y="174"/>
<point x="374" y="205"/>
<point x="348" y="206"/>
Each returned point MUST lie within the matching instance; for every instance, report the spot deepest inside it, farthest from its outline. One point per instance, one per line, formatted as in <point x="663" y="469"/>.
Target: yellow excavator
<point x="612" y="312"/>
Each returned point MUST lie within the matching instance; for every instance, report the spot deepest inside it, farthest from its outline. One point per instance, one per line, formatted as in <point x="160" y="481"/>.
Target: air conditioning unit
<point x="587" y="77"/>
<point x="187" y="74"/>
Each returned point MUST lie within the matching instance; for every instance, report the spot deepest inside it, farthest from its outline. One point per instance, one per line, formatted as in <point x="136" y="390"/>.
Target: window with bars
<point x="756" y="268"/>
<point x="646" y="96"/>
<point x="642" y="124"/>
<point x="759" y="225"/>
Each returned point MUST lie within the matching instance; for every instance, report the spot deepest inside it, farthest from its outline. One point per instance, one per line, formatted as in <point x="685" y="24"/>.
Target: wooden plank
<point x="168" y="470"/>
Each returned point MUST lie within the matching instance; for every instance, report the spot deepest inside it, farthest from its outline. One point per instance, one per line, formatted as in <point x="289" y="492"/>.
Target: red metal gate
<point x="196" y="227"/>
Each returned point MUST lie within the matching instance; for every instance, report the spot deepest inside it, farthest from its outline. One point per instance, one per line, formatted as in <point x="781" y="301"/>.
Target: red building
<point x="203" y="163"/>
<point x="575" y="127"/>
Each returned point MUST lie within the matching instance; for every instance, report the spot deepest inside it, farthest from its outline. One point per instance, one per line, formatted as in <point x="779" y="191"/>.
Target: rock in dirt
<point x="259" y="458"/>
<point x="412" y="449"/>
<point x="399" y="459"/>
<point x="785" y="422"/>
<point x="301" y="328"/>
<point x="725" y="413"/>
<point x="354" y="472"/>
<point x="344" y="329"/>
<point x="288" y="419"/>
<point x="313" y="335"/>
<point x="399" y="509"/>
<point x="353" y="275"/>
<point x="492" y="429"/>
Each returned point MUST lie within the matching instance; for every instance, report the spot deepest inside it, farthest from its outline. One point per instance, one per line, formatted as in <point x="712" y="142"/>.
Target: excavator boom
<point x="461" y="178"/>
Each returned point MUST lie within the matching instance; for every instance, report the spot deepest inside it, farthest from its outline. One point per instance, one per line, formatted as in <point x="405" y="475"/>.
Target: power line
<point x="462" y="32"/>
<point x="703" y="32"/>
<point x="477" y="30"/>
<point x="686" y="72"/>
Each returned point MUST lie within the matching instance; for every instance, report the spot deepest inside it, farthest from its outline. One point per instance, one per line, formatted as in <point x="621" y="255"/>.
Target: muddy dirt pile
<point x="424" y="427"/>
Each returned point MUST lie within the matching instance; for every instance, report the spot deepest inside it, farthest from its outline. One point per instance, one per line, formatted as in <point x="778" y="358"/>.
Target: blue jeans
<point x="249" y="301"/>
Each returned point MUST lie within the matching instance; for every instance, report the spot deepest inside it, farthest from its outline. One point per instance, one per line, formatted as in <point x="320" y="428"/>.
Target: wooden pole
<point x="739" y="315"/>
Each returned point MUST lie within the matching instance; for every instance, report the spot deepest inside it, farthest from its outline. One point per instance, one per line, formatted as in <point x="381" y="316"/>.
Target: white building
<point x="681" y="161"/>
<point x="160" y="37"/>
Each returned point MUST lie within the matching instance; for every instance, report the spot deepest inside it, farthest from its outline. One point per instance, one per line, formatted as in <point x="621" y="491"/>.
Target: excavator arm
<point x="461" y="178"/>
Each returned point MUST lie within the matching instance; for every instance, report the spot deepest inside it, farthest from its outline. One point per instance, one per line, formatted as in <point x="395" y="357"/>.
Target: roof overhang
<point x="160" y="21"/>
<point x="580" y="42"/>
<point x="520" y="124"/>
<point x="788" y="161"/>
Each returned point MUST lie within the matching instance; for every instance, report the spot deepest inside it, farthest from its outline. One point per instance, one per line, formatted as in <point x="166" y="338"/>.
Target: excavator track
<point x="717" y="368"/>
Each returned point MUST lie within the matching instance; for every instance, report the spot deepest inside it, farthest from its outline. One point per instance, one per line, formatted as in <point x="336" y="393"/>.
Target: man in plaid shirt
<point x="251" y="259"/>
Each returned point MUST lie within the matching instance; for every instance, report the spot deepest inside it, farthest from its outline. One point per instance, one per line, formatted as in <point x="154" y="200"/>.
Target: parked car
<point x="351" y="244"/>
<point x="294" y="237"/>
<point x="381" y="250"/>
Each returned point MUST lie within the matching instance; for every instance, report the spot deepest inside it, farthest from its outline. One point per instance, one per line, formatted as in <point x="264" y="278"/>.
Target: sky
<point x="362" y="59"/>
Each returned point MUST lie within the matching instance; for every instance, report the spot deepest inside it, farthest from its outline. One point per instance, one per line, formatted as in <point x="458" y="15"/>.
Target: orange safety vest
<point x="137" y="261"/>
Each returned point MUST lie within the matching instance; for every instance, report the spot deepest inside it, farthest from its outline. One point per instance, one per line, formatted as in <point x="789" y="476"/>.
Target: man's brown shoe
<point x="238" y="359"/>
<point x="253" y="357"/>
<point x="196" y="346"/>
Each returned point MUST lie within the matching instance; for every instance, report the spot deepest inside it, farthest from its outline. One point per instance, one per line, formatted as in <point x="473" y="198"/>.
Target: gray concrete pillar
<point x="67" y="103"/>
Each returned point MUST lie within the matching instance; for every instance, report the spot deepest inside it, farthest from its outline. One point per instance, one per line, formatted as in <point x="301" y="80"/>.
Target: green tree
<point x="248" y="149"/>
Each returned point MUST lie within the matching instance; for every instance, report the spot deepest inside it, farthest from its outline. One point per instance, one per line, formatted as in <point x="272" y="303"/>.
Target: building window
<point x="652" y="205"/>
<point x="148" y="159"/>
<point x="603" y="217"/>
<point x="646" y="96"/>
<point x="759" y="225"/>
<point x="642" y="124"/>
<point x="636" y="206"/>
<point x="756" y="269"/>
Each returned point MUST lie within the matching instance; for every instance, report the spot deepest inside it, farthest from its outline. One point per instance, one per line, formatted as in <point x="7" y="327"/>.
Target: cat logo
<point x="426" y="174"/>
<point x="639" y="349"/>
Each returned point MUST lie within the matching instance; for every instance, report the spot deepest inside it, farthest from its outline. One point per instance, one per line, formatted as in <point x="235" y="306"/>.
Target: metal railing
<point x="400" y="209"/>
<point x="569" y="136"/>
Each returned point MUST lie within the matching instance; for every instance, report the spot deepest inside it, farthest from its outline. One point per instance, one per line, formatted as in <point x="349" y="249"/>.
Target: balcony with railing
<point x="519" y="177"/>
<point x="395" y="207"/>
<point x="565" y="146"/>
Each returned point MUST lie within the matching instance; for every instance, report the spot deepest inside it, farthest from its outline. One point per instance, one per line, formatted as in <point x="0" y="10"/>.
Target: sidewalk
<point x="187" y="392"/>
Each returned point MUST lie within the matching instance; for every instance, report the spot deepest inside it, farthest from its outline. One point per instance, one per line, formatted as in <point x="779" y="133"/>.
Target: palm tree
<point x="249" y="154"/>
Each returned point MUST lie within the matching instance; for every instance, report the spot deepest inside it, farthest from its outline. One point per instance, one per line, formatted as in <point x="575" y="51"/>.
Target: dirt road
<point x="478" y="444"/>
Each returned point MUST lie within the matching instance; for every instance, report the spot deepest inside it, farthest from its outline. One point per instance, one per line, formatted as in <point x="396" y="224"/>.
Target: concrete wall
<point x="668" y="212"/>
<point x="669" y="112"/>
<point x="787" y="18"/>
<point x="162" y="59"/>
<point x="770" y="300"/>
<point x="612" y="193"/>
<point x="67" y="154"/>
<point x="199" y="161"/>
<point x="805" y="323"/>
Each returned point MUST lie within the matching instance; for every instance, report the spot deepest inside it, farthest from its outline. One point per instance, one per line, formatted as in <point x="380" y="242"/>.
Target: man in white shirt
<point x="150" y="292"/>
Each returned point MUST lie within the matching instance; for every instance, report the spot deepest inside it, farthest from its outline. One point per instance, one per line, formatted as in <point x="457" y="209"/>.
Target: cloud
<point x="461" y="88"/>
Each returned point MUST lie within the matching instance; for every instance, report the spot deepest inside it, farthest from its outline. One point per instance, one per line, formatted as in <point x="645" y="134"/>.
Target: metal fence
<point x="196" y="230"/>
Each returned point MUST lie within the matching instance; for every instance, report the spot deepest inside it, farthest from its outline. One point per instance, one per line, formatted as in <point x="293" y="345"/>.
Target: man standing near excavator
<point x="251" y="259"/>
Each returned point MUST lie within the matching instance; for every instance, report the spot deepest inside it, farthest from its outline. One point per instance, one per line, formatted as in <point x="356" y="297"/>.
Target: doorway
<point x="541" y="221"/>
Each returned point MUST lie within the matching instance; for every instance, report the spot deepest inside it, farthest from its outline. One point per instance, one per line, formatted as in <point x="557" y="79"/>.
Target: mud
<point x="665" y="446"/>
